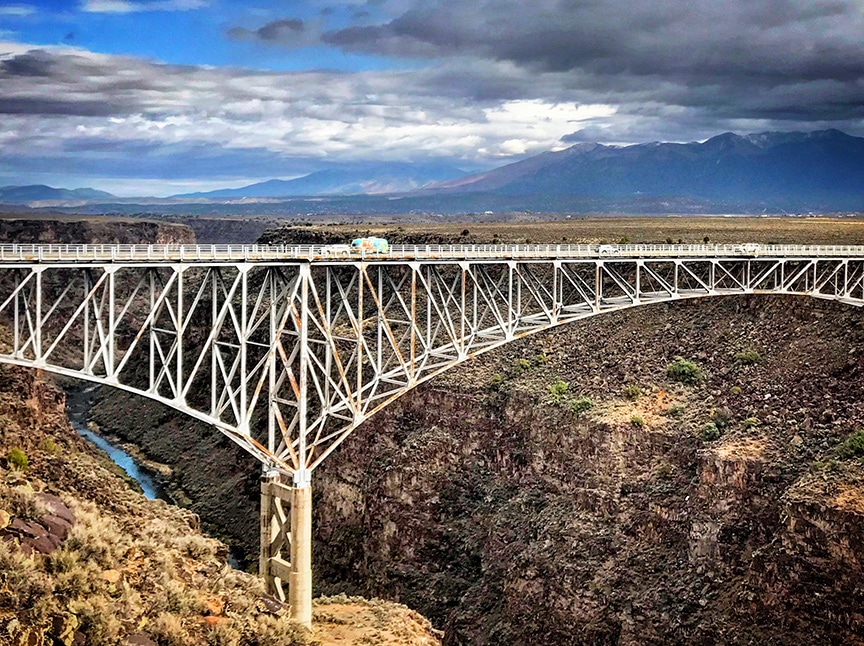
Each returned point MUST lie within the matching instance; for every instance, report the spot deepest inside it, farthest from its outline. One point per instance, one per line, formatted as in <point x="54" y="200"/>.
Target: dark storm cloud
<point x="286" y="31"/>
<point x="56" y="107"/>
<point x="738" y="54"/>
<point x="806" y="37"/>
<point x="35" y="63"/>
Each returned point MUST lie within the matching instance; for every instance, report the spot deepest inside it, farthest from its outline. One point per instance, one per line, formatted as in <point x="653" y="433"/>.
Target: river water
<point x="78" y="403"/>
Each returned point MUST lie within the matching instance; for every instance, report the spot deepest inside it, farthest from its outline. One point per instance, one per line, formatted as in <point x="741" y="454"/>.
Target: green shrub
<point x="735" y="390"/>
<point x="674" y="410"/>
<point x="541" y="359"/>
<point x="496" y="380"/>
<point x="521" y="366"/>
<point x="558" y="390"/>
<point x="50" y="446"/>
<point x="720" y="417"/>
<point x="663" y="471"/>
<point x="852" y="446"/>
<point x="632" y="392"/>
<point x="748" y="357"/>
<point x="685" y="371"/>
<point x="709" y="432"/>
<point x="637" y="421"/>
<point x="17" y="459"/>
<point x="751" y="422"/>
<point x="581" y="405"/>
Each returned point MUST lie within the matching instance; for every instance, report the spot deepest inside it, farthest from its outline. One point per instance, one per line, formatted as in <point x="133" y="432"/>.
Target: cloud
<point x="492" y="82"/>
<point x="19" y="10"/>
<point x="285" y="32"/>
<point x="132" y="6"/>
<point x="772" y="60"/>
<point x="71" y="103"/>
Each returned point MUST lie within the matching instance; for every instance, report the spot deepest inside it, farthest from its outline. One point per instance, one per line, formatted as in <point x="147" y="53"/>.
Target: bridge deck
<point x="330" y="253"/>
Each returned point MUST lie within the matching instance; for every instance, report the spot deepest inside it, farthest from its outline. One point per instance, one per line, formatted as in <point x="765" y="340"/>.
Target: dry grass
<point x="128" y="565"/>
<point x="693" y="230"/>
<point x="162" y="579"/>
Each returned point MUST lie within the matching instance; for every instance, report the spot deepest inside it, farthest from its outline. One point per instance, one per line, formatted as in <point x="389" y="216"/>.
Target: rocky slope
<point x="567" y="490"/>
<point x="86" y="560"/>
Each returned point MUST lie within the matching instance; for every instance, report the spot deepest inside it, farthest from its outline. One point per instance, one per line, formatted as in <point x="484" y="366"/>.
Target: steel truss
<point x="288" y="357"/>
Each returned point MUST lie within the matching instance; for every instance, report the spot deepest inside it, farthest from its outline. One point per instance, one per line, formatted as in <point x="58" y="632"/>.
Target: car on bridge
<point x="608" y="250"/>
<point x="750" y="248"/>
<point x="336" y="251"/>
<point x="369" y="245"/>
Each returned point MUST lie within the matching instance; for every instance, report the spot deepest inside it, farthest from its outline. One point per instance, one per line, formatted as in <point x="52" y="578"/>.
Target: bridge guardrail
<point x="268" y="253"/>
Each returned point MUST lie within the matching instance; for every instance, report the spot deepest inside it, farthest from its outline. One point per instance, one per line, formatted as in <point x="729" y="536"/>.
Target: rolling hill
<point x="369" y="179"/>
<point x="40" y="192"/>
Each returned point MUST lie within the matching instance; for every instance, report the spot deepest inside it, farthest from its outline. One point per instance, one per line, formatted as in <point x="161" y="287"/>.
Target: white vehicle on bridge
<point x="370" y="245"/>
<point x="751" y="248"/>
<point x="336" y="251"/>
<point x="608" y="250"/>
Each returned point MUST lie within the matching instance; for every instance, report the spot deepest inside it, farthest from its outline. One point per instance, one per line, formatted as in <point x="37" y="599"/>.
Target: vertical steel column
<point x="244" y="346"/>
<point x="511" y="331"/>
<point x="16" y="342"/>
<point x="300" y="580"/>
<point x="598" y="284"/>
<point x="86" y="318"/>
<point x="379" y="299"/>
<point x="178" y="386"/>
<point x="361" y="269"/>
<point x="557" y="291"/>
<point x="110" y="341"/>
<point x="462" y="313"/>
<point x="271" y="370"/>
<point x="214" y="317"/>
<point x="152" y="356"/>
<point x="414" y="269"/>
<point x="37" y="340"/>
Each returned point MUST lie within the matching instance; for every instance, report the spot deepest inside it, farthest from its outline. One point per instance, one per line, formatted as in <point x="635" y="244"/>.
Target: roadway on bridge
<point x="340" y="253"/>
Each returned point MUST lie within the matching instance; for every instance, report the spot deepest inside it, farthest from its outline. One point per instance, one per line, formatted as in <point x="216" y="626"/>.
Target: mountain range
<point x="370" y="179"/>
<point x="822" y="169"/>
<point x="773" y="171"/>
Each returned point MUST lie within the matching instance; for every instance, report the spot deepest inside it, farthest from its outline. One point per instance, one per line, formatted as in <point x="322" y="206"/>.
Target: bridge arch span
<point x="288" y="357"/>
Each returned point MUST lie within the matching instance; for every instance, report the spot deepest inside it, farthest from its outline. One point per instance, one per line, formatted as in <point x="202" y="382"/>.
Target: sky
<point x="154" y="97"/>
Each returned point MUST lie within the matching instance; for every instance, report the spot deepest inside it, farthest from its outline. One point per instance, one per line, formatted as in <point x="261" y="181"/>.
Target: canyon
<point x="574" y="488"/>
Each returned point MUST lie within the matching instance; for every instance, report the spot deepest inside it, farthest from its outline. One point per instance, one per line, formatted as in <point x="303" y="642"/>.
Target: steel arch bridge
<point x="286" y="350"/>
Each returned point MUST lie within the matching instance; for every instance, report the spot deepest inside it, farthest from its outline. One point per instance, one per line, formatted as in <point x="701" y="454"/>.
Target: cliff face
<point x="622" y="507"/>
<point x="507" y="517"/>
<point x="102" y="230"/>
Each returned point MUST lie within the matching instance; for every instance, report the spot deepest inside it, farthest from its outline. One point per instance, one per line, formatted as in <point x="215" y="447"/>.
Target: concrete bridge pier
<point x="287" y="534"/>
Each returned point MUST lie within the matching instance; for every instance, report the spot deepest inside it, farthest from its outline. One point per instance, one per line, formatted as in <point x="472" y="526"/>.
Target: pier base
<point x="287" y="536"/>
